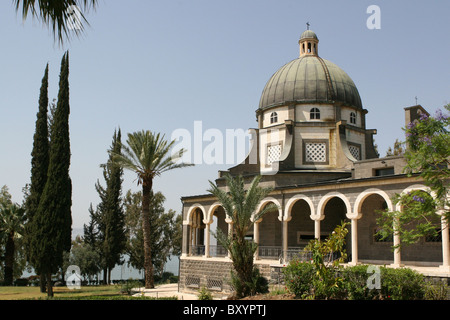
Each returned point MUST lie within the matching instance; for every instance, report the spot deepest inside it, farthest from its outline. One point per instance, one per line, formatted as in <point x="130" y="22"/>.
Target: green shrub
<point x="257" y="284"/>
<point x="22" y="282"/>
<point x="204" y="294"/>
<point x="402" y="284"/>
<point x="396" y="284"/>
<point x="128" y="286"/>
<point x="436" y="290"/>
<point x="298" y="277"/>
<point x="355" y="283"/>
<point x="351" y="283"/>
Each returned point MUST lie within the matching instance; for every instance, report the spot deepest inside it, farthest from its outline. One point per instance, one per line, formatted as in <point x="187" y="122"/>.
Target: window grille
<point x="316" y="152"/>
<point x="355" y="152"/>
<point x="214" y="284"/>
<point x="193" y="282"/>
<point x="273" y="153"/>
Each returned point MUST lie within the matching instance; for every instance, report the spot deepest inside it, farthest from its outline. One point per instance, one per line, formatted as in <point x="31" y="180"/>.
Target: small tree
<point x="109" y="216"/>
<point x="416" y="219"/>
<point x="164" y="226"/>
<point x="397" y="150"/>
<point x="428" y="152"/>
<point x="326" y="257"/>
<point x="319" y="278"/>
<point x="12" y="218"/>
<point x="149" y="155"/>
<point x="240" y="206"/>
<point x="428" y="156"/>
<point x="86" y="257"/>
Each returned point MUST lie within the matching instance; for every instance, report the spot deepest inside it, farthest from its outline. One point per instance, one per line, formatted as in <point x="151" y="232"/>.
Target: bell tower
<point x="309" y="43"/>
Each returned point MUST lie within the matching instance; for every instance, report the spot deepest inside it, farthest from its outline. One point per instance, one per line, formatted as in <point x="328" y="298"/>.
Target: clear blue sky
<point x="161" y="65"/>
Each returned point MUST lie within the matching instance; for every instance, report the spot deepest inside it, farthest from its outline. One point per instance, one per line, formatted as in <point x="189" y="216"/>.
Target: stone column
<point x="317" y="220"/>
<point x="397" y="255"/>
<point x="256" y="237"/>
<point x="230" y="232"/>
<point x="207" y="240"/>
<point x="191" y="230"/>
<point x="445" y="242"/>
<point x="185" y="243"/>
<point x="285" y="239"/>
<point x="354" y="234"/>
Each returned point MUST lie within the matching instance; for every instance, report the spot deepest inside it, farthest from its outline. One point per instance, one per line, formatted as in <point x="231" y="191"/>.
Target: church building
<point x="311" y="145"/>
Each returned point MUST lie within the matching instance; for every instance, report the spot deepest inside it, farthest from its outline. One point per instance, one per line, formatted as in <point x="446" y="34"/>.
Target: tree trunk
<point x="148" y="266"/>
<point x="43" y="283"/>
<point x="9" y="259"/>
<point x="49" y="285"/>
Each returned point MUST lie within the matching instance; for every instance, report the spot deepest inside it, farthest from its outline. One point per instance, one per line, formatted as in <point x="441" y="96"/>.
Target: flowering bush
<point x="298" y="277"/>
<point x="428" y="151"/>
<point x="428" y="156"/>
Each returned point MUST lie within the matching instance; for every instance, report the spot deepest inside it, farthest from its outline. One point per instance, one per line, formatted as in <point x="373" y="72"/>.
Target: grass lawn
<point x="86" y="292"/>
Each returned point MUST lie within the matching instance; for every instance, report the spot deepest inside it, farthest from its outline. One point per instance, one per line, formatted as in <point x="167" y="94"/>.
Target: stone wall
<point x="213" y="274"/>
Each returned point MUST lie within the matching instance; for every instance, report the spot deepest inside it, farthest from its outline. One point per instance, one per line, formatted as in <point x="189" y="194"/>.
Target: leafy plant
<point x="298" y="276"/>
<point x="204" y="294"/>
<point x="326" y="283"/>
<point x="240" y="206"/>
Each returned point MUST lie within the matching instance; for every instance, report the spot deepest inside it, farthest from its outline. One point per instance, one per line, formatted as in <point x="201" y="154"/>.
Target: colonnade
<point x="317" y="214"/>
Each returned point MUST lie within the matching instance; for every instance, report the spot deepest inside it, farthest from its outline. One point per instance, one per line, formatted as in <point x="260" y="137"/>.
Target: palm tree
<point x="148" y="155"/>
<point x="61" y="15"/>
<point x="12" y="217"/>
<point x="240" y="205"/>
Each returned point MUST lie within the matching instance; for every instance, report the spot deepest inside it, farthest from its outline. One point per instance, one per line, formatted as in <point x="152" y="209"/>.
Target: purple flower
<point x="418" y="199"/>
<point x="426" y="140"/>
<point x="423" y="116"/>
<point x="440" y="116"/>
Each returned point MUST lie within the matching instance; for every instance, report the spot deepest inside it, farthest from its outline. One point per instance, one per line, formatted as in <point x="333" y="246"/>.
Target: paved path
<point x="166" y="290"/>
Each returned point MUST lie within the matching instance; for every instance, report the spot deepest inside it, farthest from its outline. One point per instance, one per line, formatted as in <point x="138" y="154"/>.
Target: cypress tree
<point x="39" y="167"/>
<point x="112" y="214"/>
<point x="53" y="218"/>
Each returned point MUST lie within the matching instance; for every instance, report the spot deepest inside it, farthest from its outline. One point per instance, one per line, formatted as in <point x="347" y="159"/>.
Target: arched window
<point x="273" y="117"/>
<point x="314" y="114"/>
<point x="352" y="118"/>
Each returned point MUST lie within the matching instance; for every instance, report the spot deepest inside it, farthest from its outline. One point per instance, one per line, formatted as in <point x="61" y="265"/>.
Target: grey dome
<point x="310" y="79"/>
<point x="309" y="34"/>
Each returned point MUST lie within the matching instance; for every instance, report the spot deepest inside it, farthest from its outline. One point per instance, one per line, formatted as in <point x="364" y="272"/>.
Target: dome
<point x="309" y="34"/>
<point x="310" y="79"/>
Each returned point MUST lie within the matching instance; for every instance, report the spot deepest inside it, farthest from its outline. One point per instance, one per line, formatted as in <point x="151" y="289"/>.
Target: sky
<point x="163" y="65"/>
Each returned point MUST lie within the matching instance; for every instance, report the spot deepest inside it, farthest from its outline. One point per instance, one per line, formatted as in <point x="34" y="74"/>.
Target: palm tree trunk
<point x="9" y="259"/>
<point x="146" y="228"/>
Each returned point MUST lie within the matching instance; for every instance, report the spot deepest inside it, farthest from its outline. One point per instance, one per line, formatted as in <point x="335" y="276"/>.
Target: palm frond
<point x="148" y="154"/>
<point x="56" y="14"/>
<point x="241" y="204"/>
